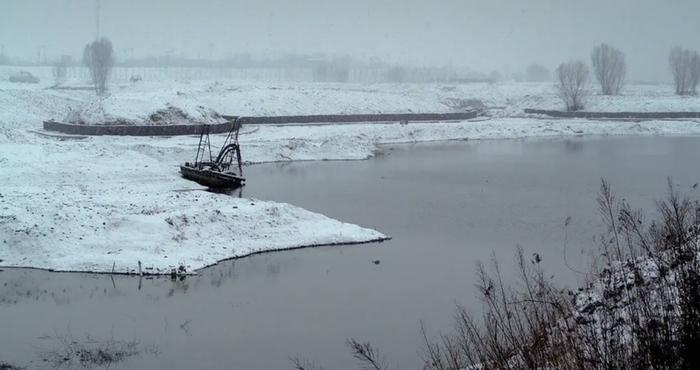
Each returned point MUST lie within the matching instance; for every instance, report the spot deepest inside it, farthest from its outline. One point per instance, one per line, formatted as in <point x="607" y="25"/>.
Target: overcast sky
<point x="485" y="35"/>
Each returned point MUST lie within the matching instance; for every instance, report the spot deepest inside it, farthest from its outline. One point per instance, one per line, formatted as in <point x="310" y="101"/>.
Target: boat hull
<point x="212" y="179"/>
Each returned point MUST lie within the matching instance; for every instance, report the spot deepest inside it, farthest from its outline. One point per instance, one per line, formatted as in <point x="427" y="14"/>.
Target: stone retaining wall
<point x="616" y="115"/>
<point x="133" y="130"/>
<point x="173" y="130"/>
<point x="354" y="118"/>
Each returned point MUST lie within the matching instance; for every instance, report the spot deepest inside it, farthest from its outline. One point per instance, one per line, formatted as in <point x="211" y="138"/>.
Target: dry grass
<point x="299" y="363"/>
<point x="90" y="353"/>
<point x="640" y="309"/>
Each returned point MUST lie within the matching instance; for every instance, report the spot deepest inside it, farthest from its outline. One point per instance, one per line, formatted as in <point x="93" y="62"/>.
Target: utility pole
<point x="97" y="19"/>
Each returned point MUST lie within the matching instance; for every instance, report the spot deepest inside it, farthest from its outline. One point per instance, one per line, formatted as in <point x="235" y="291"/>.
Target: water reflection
<point x="573" y="145"/>
<point x="19" y="285"/>
<point x="288" y="168"/>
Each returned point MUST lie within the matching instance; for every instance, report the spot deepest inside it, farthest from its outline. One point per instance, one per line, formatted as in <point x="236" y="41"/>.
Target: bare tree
<point x="572" y="83"/>
<point x="98" y="57"/>
<point x="609" y="67"/>
<point x="685" y="66"/>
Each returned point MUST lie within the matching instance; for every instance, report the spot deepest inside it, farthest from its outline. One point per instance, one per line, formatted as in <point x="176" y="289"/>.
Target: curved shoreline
<point x="196" y="271"/>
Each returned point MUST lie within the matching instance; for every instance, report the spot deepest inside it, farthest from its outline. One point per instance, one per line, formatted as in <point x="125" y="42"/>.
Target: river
<point x="446" y="206"/>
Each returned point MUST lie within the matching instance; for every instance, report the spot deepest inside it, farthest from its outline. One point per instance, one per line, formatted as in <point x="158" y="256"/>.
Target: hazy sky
<point x="485" y="35"/>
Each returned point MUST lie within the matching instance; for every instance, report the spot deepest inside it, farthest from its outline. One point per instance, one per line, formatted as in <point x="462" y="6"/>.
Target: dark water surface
<point x="446" y="207"/>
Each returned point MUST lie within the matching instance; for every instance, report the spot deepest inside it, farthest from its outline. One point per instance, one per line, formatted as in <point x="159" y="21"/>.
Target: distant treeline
<point x="317" y="67"/>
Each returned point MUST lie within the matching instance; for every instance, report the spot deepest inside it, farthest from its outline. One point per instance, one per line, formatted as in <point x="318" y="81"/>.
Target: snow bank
<point x="162" y="231"/>
<point x="90" y="205"/>
<point x="171" y="115"/>
<point x="98" y="113"/>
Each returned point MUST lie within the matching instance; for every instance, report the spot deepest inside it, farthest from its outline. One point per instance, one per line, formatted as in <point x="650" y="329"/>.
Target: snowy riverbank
<point x="93" y="203"/>
<point x="266" y="143"/>
<point x="97" y="203"/>
<point x="74" y="206"/>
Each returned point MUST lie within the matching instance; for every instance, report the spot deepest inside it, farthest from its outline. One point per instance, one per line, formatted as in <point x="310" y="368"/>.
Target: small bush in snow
<point x="572" y="84"/>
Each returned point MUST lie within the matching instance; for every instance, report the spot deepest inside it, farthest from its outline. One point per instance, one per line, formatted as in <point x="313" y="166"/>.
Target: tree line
<point x="571" y="78"/>
<point x="610" y="70"/>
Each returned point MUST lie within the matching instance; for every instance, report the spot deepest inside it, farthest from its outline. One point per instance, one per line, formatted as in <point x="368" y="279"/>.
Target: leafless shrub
<point x="521" y="328"/>
<point x="367" y="355"/>
<point x="650" y="297"/>
<point x="98" y="57"/>
<point x="685" y="67"/>
<point x="641" y="308"/>
<point x="572" y="83"/>
<point x="609" y="68"/>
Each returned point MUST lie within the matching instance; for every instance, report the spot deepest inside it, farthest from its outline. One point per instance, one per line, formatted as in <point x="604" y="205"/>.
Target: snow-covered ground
<point x="95" y="206"/>
<point x="29" y="104"/>
<point x="92" y="203"/>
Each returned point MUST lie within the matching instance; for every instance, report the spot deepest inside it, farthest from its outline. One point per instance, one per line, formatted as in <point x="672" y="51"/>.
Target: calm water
<point x="446" y="206"/>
